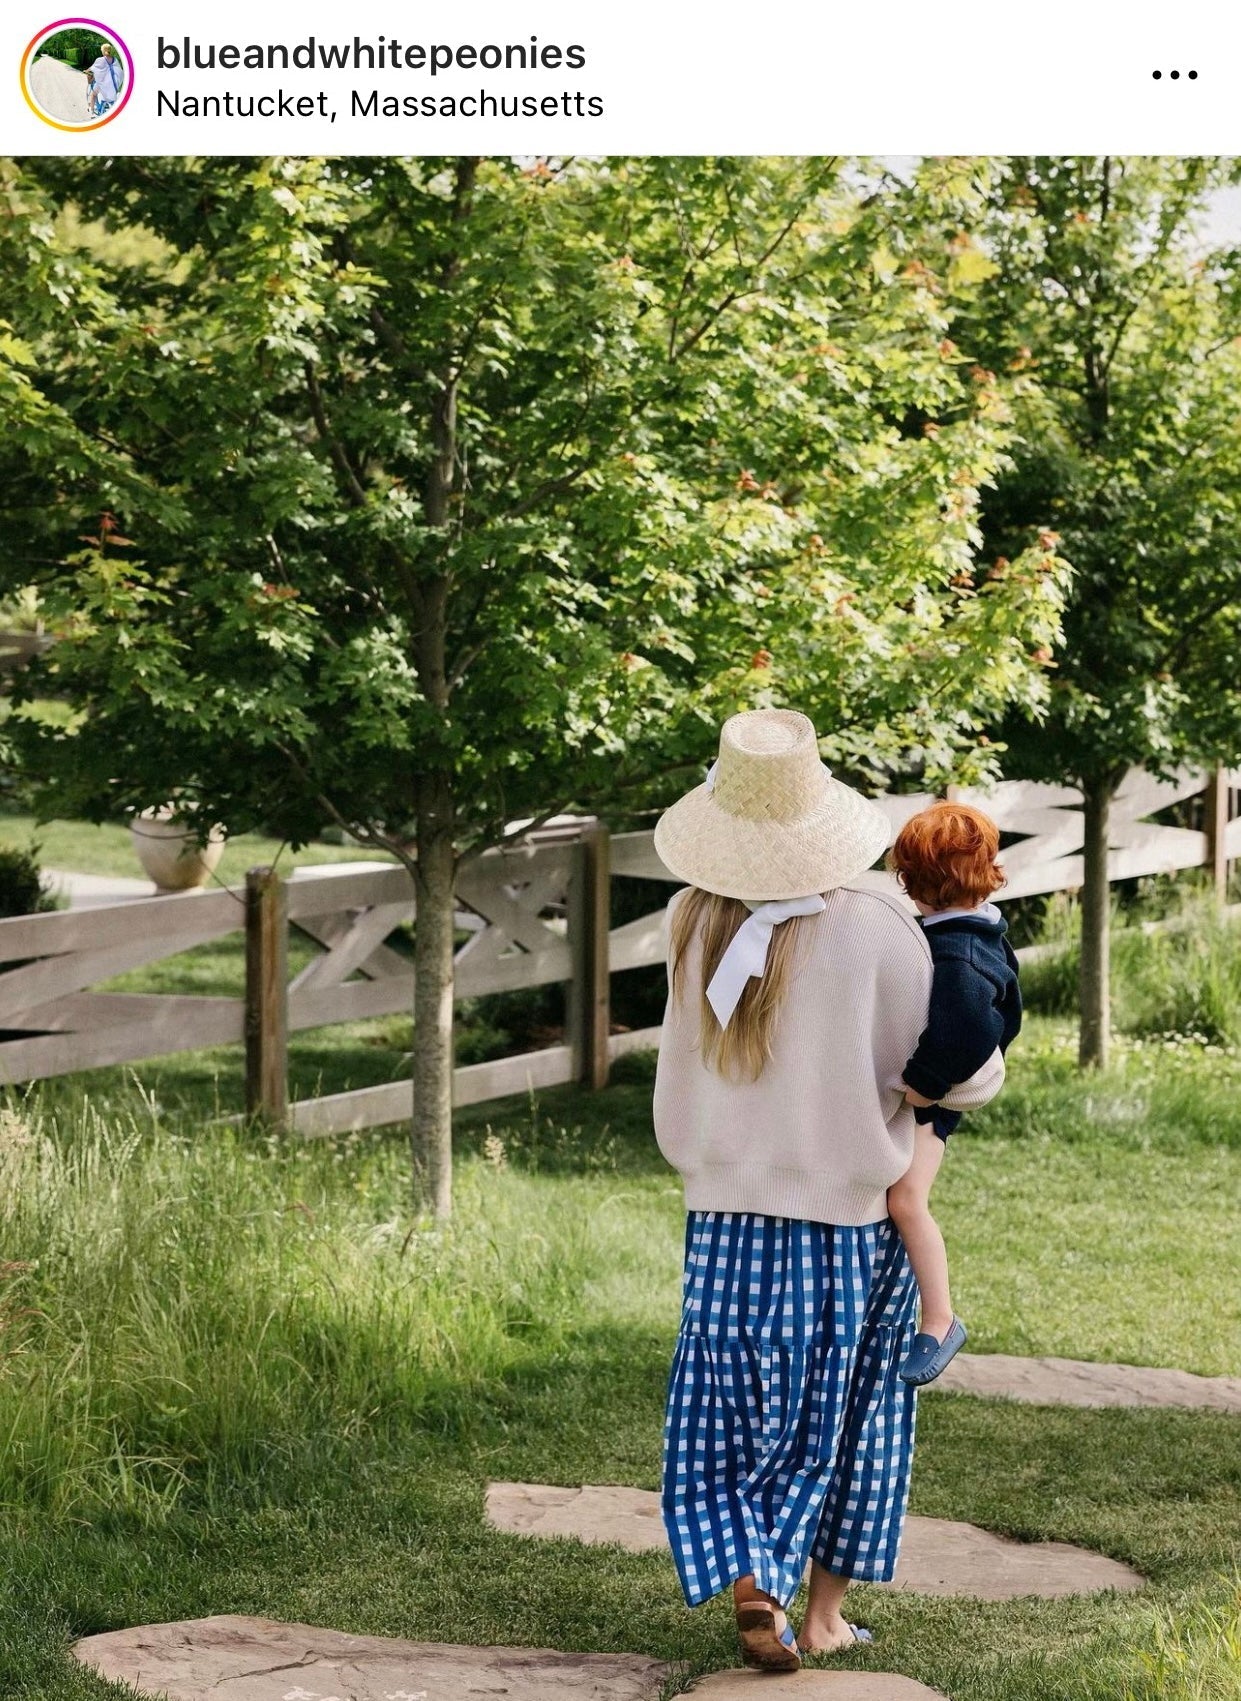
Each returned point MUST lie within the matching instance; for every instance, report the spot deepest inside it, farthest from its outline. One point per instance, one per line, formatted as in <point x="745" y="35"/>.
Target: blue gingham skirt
<point x="789" y="1434"/>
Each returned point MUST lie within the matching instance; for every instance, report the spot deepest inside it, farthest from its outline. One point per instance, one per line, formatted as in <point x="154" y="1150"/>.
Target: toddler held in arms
<point x="946" y="860"/>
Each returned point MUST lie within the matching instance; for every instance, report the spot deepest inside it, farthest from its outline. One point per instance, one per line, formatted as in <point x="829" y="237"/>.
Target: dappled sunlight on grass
<point x="239" y="1373"/>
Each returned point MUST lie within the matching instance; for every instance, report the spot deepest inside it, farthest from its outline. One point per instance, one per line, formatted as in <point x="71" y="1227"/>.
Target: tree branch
<point x="363" y="832"/>
<point x="549" y="487"/>
<point x="340" y="459"/>
<point x="1188" y="630"/>
<point x="736" y="295"/>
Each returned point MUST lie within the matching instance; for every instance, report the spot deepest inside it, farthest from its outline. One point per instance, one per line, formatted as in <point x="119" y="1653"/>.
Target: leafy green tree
<point x="76" y="46"/>
<point x="1130" y="451"/>
<point x="463" y="492"/>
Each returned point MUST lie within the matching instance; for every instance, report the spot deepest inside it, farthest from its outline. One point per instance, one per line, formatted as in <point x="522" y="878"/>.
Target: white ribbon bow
<point x="747" y="950"/>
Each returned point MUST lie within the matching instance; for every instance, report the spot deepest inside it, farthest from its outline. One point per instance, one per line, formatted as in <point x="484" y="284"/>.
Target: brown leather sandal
<point x="762" y="1645"/>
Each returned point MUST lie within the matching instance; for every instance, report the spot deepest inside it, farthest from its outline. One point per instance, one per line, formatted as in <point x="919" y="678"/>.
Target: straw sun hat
<point x="770" y="821"/>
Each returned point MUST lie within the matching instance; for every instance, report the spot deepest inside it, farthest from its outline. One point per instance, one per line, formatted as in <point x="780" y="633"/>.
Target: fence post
<point x="267" y="997"/>
<point x="1217" y="800"/>
<point x="589" y="920"/>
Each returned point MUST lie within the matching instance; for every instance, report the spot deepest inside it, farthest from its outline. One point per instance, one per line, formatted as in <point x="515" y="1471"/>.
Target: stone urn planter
<point x="170" y="854"/>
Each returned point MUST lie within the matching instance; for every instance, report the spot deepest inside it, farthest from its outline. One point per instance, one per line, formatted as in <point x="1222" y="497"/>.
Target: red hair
<point x="945" y="856"/>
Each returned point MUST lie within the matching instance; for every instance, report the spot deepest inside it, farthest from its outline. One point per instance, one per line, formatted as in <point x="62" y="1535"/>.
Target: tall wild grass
<point x="179" y="1313"/>
<point x="1181" y="975"/>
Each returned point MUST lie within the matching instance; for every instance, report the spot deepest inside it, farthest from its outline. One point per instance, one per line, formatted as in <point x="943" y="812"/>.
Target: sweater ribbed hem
<point x="815" y="1196"/>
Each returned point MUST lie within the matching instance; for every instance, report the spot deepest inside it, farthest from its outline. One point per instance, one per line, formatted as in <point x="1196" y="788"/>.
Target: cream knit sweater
<point x="825" y="1130"/>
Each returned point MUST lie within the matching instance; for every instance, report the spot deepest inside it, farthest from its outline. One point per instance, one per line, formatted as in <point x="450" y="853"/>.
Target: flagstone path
<point x="257" y="1659"/>
<point x="804" y="1685"/>
<point x="938" y="1556"/>
<point x="1075" y="1382"/>
<point x="253" y="1659"/>
<point x="233" y="1658"/>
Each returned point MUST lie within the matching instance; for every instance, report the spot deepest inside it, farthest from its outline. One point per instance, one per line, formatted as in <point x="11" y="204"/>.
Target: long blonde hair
<point x="744" y="1048"/>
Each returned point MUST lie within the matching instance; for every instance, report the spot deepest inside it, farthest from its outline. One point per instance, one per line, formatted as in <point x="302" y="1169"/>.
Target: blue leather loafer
<point x="927" y="1358"/>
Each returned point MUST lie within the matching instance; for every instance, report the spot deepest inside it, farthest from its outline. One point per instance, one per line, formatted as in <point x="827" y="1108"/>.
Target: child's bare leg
<point x="908" y="1204"/>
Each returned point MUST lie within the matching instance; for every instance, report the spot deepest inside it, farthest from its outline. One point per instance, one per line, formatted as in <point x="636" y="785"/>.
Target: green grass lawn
<point x="78" y="847"/>
<point x="239" y="1377"/>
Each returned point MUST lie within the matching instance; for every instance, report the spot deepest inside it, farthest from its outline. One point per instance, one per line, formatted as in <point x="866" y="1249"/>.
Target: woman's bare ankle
<point x="824" y="1634"/>
<point x="744" y="1592"/>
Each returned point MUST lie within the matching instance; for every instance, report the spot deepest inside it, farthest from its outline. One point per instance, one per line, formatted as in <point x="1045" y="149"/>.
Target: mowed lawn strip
<point x="241" y="1388"/>
<point x="394" y="1544"/>
<point x="106" y="848"/>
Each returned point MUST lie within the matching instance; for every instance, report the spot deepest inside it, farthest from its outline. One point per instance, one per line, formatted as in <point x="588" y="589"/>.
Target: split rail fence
<point x="536" y="913"/>
<point x="17" y="648"/>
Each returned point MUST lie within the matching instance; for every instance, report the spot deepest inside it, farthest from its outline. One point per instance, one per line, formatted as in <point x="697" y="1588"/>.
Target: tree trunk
<point x="434" y="793"/>
<point x="435" y="872"/>
<point x="1094" y="984"/>
<point x="431" y="1133"/>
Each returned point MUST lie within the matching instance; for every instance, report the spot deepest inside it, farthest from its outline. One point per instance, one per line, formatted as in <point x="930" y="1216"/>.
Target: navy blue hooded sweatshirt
<point x="975" y="1007"/>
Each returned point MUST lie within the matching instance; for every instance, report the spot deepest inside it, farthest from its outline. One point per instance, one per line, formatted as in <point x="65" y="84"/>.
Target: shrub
<point x="1184" y="978"/>
<point x="1180" y="975"/>
<point x="22" y="891"/>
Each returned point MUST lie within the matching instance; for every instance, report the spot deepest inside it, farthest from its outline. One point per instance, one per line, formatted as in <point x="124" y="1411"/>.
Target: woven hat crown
<point x="770" y="822"/>
<point x="769" y="767"/>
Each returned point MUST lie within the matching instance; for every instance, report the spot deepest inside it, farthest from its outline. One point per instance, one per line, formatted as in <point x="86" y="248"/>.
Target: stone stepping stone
<point x="938" y="1556"/>
<point x="812" y="1686"/>
<point x="1074" y="1382"/>
<point x="231" y="1658"/>
<point x="256" y="1659"/>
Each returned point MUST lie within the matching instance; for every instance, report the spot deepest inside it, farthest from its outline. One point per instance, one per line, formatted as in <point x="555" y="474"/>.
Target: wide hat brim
<point x="740" y="857"/>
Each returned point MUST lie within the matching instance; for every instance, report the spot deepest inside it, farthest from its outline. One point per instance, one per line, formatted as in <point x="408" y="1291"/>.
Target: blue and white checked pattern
<point x="789" y="1434"/>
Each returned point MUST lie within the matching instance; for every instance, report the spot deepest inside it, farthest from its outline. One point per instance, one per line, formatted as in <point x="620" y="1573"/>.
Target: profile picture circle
<point x="77" y="74"/>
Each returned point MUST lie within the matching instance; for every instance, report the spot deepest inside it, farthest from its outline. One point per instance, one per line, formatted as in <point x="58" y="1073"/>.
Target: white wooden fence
<point x="539" y="914"/>
<point x="17" y="648"/>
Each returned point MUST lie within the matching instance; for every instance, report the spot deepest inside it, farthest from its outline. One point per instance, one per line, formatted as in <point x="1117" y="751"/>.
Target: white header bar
<point x="543" y="78"/>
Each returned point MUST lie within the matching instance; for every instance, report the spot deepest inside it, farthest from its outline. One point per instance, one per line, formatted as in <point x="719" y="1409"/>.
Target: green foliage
<point x="22" y="891"/>
<point x="688" y="474"/>
<point x="1182" y="979"/>
<point x="74" y="45"/>
<point x="499" y="1024"/>
<point x="1128" y="451"/>
<point x="180" y="1348"/>
<point x="1180" y="976"/>
<point x="19" y="611"/>
<point x="1193" y="1655"/>
<point x="431" y="495"/>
